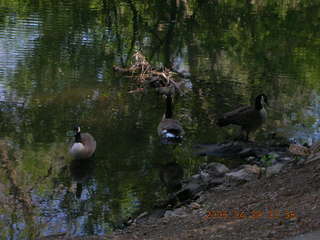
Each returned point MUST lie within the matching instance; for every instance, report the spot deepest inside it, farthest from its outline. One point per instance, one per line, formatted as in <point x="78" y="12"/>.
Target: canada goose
<point x="169" y="129"/>
<point x="84" y="145"/>
<point x="250" y="118"/>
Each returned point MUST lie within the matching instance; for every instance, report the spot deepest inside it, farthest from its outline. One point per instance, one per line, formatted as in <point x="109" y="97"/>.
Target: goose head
<point x="77" y="134"/>
<point x="261" y="101"/>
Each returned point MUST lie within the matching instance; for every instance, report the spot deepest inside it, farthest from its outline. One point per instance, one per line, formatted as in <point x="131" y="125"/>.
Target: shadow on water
<point x="171" y="175"/>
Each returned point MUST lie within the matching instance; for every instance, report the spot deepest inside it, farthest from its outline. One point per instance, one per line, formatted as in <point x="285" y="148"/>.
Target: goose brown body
<point x="250" y="118"/>
<point x="170" y="125"/>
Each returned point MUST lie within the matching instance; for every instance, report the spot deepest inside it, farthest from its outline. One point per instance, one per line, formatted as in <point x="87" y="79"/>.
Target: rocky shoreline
<point x="261" y="161"/>
<point x="272" y="199"/>
<point x="274" y="195"/>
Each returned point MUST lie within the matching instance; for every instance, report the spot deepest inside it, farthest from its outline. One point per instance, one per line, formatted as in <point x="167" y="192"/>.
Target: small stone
<point x="285" y="159"/>
<point x="168" y="213"/>
<point x="195" y="205"/>
<point x="179" y="212"/>
<point x="251" y="158"/>
<point x="246" y="152"/>
<point x="201" y="199"/>
<point x="215" y="182"/>
<point x="216" y="169"/>
<point x="246" y="174"/>
<point x="142" y="215"/>
<point x="196" y="177"/>
<point x="189" y="191"/>
<point x="205" y="177"/>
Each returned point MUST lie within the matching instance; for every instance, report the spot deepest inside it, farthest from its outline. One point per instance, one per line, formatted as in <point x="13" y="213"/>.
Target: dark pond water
<point x="56" y="60"/>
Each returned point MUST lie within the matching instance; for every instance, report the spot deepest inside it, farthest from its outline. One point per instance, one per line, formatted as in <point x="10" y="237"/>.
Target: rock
<point x="179" y="212"/>
<point x="157" y="213"/>
<point x="168" y="213"/>
<point x="130" y="221"/>
<point x="247" y="152"/>
<point x="202" y="198"/>
<point x="215" y="182"/>
<point x="246" y="174"/>
<point x="313" y="157"/>
<point x="200" y="178"/>
<point x="285" y="159"/>
<point x="205" y="177"/>
<point x="197" y="178"/>
<point x="274" y="169"/>
<point x="216" y="169"/>
<point x="194" y="205"/>
<point x="251" y="159"/>
<point x="142" y="215"/>
<point x="189" y="191"/>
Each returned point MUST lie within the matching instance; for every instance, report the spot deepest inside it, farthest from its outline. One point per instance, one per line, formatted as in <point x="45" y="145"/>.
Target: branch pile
<point x="165" y="81"/>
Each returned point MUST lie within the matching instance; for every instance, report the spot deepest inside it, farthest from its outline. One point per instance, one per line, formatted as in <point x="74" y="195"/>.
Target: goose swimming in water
<point x="169" y="129"/>
<point x="84" y="145"/>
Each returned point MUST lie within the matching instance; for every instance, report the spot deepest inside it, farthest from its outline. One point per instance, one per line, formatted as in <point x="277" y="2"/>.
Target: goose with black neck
<point x="170" y="130"/>
<point x="84" y="145"/>
<point x="249" y="118"/>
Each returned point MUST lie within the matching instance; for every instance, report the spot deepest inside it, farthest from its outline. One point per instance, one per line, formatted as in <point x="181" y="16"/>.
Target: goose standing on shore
<point x="250" y="118"/>
<point x="84" y="145"/>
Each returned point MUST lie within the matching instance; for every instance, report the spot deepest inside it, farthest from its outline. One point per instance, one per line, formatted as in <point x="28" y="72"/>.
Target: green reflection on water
<point x="56" y="61"/>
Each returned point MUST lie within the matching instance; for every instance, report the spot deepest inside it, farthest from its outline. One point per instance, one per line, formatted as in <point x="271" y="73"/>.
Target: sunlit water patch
<point x="18" y="38"/>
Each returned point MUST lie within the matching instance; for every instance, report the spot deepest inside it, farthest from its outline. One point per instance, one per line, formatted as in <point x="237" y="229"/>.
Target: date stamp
<point x="271" y="214"/>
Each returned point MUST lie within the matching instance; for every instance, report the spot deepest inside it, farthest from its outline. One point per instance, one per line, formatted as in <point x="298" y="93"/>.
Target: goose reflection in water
<point x="81" y="171"/>
<point x="171" y="175"/>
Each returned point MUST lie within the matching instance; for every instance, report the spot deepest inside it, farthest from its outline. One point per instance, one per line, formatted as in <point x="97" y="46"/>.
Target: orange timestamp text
<point x="255" y="214"/>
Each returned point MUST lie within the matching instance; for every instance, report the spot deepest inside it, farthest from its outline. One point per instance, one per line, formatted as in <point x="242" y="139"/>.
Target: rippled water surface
<point x="56" y="60"/>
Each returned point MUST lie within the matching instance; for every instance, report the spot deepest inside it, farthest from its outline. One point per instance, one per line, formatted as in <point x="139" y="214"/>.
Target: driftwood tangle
<point x="165" y="81"/>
